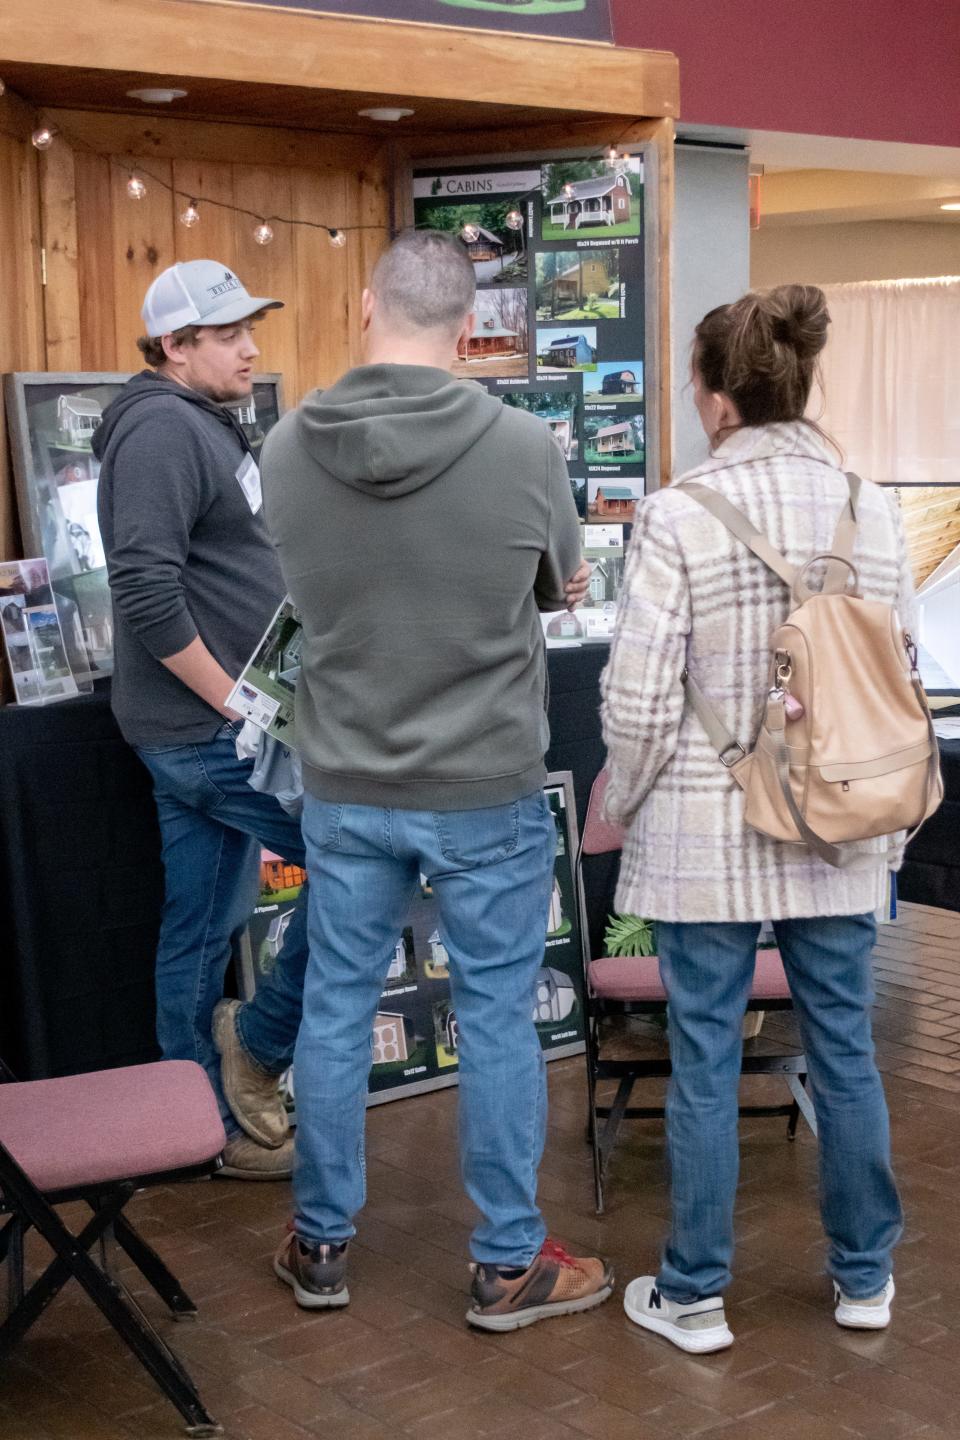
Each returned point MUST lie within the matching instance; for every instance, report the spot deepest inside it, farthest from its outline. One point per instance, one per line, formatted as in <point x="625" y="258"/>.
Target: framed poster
<point x="415" y="1032"/>
<point x="570" y="19"/>
<point x="52" y="421"/>
<point x="565" y="254"/>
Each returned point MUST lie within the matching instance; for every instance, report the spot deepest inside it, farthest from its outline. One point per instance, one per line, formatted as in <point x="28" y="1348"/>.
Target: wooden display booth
<point x="269" y="126"/>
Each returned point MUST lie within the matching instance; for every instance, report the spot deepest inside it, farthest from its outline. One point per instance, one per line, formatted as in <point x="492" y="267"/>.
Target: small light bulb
<point x="337" y="238"/>
<point x="42" y="139"/>
<point x="3" y="87"/>
<point x="190" y="216"/>
<point x="514" y="219"/>
<point x="568" y="189"/>
<point x="470" y="232"/>
<point x="611" y="155"/>
<point x="136" y="188"/>
<point x="263" y="233"/>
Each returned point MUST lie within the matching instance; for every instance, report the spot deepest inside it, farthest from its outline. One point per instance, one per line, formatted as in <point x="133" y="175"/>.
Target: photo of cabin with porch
<point x="492" y="231"/>
<point x="616" y="501"/>
<point x="557" y="409"/>
<point x="499" y="344"/>
<point x="579" y="285"/>
<point x="613" y="437"/>
<point x="567" y="349"/>
<point x="587" y="197"/>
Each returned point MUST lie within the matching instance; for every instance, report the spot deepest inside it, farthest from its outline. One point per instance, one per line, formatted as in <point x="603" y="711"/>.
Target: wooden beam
<point x="61" y="293"/>
<point x="328" y="52"/>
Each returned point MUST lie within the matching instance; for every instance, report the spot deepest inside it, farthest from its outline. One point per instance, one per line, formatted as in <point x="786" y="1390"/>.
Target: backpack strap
<point x="837" y="573"/>
<point x="729" y="749"/>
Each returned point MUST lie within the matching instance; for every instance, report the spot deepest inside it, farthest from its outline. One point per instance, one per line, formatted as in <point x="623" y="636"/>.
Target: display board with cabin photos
<point x="561" y="254"/>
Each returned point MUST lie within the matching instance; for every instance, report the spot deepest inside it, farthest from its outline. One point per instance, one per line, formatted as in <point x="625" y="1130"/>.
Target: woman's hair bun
<point x="798" y="316"/>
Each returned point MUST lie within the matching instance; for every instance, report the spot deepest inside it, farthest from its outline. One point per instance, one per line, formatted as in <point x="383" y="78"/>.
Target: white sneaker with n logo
<point x="698" y="1328"/>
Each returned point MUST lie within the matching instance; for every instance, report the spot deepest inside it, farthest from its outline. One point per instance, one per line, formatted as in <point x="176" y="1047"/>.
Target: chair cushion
<point x="637" y="977"/>
<point x="111" y="1124"/>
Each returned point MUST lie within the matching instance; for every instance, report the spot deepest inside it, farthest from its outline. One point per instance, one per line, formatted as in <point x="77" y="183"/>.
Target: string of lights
<point x="44" y="137"/>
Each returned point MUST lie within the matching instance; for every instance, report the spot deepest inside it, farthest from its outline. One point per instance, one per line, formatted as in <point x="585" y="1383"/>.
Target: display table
<point x="81" y="882"/>
<point x="931" y="871"/>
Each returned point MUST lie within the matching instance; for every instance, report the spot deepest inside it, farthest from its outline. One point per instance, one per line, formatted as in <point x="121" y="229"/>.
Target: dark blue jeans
<point x="212" y="825"/>
<point x="707" y="971"/>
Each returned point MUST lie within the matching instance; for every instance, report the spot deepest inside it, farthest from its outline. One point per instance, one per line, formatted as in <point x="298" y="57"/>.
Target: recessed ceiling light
<point x="386" y="112"/>
<point x="157" y="97"/>
<point x="951" y="205"/>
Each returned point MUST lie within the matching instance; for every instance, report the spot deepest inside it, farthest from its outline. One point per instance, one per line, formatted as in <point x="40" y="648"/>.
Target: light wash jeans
<point x="491" y="872"/>
<point x="212" y="827"/>
<point x="707" y="971"/>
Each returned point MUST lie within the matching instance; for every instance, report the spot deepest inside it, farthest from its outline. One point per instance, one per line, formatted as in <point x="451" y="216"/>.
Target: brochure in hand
<point x="265" y="691"/>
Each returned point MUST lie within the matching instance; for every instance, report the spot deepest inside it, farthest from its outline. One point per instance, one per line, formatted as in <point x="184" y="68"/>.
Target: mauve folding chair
<point x="631" y="985"/>
<point x="99" y="1138"/>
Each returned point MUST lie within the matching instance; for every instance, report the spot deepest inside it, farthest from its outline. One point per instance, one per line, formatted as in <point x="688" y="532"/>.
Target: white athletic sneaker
<point x="699" y="1328"/>
<point x="870" y="1314"/>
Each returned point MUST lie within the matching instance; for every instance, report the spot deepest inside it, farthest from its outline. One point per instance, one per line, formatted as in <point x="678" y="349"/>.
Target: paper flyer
<point x="266" y="689"/>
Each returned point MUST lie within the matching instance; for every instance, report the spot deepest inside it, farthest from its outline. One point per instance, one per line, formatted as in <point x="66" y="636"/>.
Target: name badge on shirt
<point x="249" y="476"/>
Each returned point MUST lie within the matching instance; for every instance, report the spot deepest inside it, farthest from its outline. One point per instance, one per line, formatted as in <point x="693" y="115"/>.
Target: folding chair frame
<point x="25" y="1206"/>
<point x="628" y="1072"/>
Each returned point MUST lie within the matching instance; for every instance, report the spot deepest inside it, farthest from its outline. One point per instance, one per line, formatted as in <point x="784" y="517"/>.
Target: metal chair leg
<point x="152" y="1268"/>
<point x="797" y="1087"/>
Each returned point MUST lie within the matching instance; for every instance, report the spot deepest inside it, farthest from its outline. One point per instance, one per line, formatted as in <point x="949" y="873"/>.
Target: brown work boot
<point x="252" y="1094"/>
<point x="244" y="1159"/>
<point x="316" y="1273"/>
<point x="555" y="1284"/>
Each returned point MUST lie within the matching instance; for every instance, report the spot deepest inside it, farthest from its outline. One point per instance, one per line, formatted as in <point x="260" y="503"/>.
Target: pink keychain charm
<point x="792" y="707"/>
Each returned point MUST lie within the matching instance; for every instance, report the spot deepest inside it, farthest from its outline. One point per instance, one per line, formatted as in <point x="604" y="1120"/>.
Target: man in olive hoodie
<point x="421" y="526"/>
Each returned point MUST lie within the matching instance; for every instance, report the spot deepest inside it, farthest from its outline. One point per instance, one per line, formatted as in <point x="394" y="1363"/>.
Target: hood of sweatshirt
<point x="390" y="429"/>
<point x="148" y="385"/>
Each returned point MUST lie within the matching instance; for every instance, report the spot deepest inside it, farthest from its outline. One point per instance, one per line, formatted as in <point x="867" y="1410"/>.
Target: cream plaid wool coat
<point x="694" y="596"/>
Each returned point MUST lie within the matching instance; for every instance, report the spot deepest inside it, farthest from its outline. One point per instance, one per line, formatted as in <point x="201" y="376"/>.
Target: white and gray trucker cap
<point x="199" y="292"/>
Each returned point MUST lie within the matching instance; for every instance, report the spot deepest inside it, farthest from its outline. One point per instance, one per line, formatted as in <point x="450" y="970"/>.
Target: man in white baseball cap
<point x="195" y="583"/>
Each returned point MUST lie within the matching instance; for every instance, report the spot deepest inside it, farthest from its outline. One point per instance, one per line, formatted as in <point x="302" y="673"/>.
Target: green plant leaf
<point x="628" y="935"/>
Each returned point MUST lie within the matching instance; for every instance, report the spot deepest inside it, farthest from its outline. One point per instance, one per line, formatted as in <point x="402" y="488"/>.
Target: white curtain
<point x="891" y="379"/>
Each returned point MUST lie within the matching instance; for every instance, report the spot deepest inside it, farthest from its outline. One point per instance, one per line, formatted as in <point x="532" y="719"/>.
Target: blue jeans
<point x="212" y="827"/>
<point x="707" y="971"/>
<point x="491" y="871"/>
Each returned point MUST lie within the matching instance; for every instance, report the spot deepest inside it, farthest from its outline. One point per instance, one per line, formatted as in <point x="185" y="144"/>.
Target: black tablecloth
<point x="931" y="872"/>
<point x="81" y="882"/>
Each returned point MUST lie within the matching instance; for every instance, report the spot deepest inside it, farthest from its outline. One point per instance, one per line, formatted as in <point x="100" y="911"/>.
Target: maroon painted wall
<point x="871" y="69"/>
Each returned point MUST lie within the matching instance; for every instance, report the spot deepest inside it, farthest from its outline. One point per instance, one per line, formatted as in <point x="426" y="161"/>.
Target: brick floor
<point x="401" y="1362"/>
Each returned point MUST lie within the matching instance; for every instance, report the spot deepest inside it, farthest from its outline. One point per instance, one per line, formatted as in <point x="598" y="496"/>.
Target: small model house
<point x="556" y="917"/>
<point x="615" y="500"/>
<point x="439" y="959"/>
<point x="487" y="246"/>
<point x="568" y="351"/>
<point x="398" y="962"/>
<point x="555" y="996"/>
<point x="247" y="412"/>
<point x="565" y="626"/>
<point x="603" y="201"/>
<point x="391" y="1038"/>
<point x="490" y="339"/>
<point x="77" y="417"/>
<point x="615" y="440"/>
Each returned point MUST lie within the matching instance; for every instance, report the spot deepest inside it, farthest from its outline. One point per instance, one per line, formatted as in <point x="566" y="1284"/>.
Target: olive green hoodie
<point x="421" y="524"/>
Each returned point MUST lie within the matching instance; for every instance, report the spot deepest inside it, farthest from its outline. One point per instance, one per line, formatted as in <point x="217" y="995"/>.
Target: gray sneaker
<point x="252" y="1094"/>
<point x="698" y="1328"/>
<point x="317" y="1274"/>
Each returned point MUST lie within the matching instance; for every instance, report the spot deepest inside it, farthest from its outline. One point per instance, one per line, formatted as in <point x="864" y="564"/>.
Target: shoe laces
<point x="553" y="1250"/>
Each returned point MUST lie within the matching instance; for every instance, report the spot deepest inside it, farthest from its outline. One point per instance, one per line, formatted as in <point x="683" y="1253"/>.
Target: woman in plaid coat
<point x="695" y="598"/>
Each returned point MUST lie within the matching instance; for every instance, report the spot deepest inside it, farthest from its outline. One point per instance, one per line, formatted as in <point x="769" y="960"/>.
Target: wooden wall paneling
<point x="143" y="245"/>
<point x="323" y="302"/>
<point x="215" y="237"/>
<point x="97" y="263"/>
<point x="269" y="269"/>
<point x="61" y="295"/>
<point x="368" y="205"/>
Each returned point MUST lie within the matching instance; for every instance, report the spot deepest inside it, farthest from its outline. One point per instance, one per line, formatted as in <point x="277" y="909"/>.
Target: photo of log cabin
<point x="613" y="500"/>
<point x="579" y="285"/>
<point x="499" y="345"/>
<point x="495" y="244"/>
<point x="610" y="436"/>
<point x="587" y="197"/>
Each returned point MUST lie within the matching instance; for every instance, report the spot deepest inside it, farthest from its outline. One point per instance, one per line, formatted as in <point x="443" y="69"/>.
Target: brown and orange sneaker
<point x="555" y="1284"/>
<point x="317" y="1274"/>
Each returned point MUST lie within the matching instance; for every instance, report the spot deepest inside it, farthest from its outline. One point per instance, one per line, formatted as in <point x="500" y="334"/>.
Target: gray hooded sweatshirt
<point x="421" y="525"/>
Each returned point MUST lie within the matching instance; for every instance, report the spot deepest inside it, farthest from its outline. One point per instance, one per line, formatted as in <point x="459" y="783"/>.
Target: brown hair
<point x="151" y="348"/>
<point x="762" y="351"/>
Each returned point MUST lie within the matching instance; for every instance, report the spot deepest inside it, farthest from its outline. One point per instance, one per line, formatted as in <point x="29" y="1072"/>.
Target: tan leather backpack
<point x="846" y="748"/>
